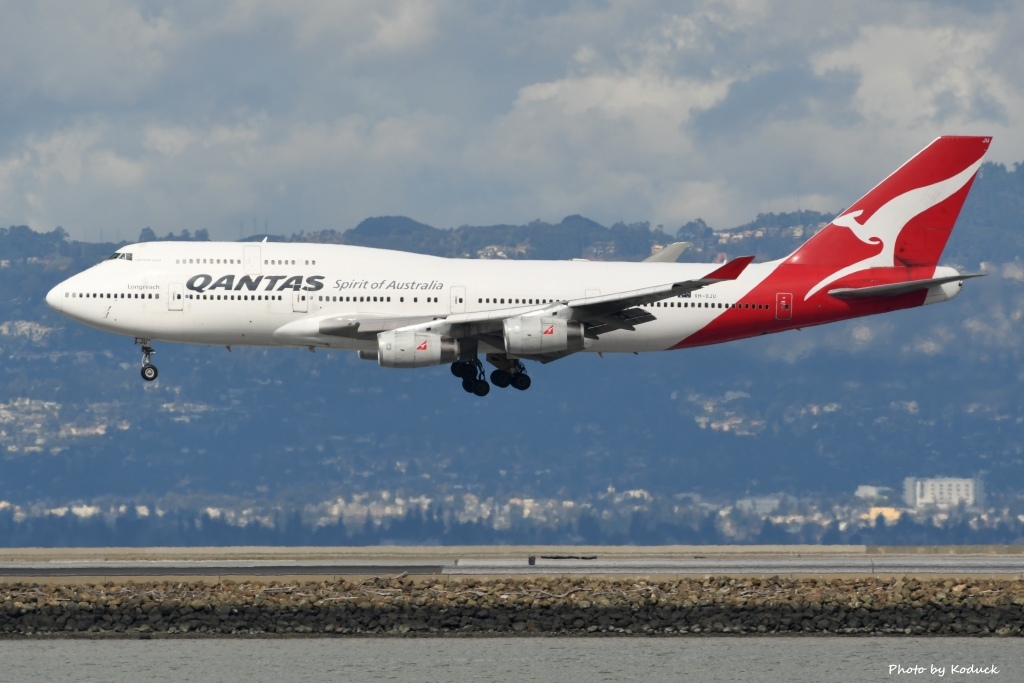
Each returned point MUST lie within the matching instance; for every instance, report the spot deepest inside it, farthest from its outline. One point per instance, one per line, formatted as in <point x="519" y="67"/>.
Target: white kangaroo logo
<point x="885" y="225"/>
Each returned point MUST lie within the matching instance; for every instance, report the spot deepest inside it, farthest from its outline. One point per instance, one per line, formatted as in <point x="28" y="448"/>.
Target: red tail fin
<point x="906" y="220"/>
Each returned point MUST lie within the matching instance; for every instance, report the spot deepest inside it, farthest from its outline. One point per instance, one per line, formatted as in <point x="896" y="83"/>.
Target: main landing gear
<point x="472" y="374"/>
<point x="508" y="373"/>
<point x="149" y="371"/>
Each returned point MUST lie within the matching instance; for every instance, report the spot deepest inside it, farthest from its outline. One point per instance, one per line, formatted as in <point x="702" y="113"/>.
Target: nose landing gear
<point x="149" y="371"/>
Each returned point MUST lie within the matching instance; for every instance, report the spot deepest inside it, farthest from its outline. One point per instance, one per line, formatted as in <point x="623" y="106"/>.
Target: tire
<point x="521" y="381"/>
<point x="463" y="369"/>
<point x="481" y="388"/>
<point x="501" y="379"/>
<point x="149" y="372"/>
<point x="467" y="385"/>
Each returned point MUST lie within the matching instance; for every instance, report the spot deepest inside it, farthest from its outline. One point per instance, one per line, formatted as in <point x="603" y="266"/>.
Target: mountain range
<point x="934" y="391"/>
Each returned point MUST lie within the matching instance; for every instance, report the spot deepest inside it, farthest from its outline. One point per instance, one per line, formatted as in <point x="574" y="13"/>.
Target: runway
<point x="614" y="563"/>
<point x="951" y="564"/>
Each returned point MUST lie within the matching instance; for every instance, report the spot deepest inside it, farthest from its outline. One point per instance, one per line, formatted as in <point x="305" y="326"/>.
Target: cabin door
<point x="252" y="259"/>
<point x="458" y="299"/>
<point x="783" y="306"/>
<point x="176" y="296"/>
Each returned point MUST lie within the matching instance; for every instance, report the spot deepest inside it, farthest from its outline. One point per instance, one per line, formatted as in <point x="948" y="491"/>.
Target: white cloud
<point x="167" y="140"/>
<point x="97" y="52"/>
<point x="1013" y="271"/>
<point x="318" y="114"/>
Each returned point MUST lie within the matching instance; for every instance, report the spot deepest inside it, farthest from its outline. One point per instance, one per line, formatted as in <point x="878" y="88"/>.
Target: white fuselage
<point x="276" y="294"/>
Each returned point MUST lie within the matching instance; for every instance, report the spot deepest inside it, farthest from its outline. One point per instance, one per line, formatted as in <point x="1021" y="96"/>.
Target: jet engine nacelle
<point x="526" y="336"/>
<point x="406" y="349"/>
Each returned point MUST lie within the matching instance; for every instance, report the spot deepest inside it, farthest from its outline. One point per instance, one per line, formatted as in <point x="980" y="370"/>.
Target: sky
<point x="242" y="115"/>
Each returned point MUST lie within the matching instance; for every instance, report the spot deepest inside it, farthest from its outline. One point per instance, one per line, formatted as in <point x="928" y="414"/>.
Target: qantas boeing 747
<point x="407" y="310"/>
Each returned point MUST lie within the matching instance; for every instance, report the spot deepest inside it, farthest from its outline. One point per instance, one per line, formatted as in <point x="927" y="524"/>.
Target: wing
<point x="619" y="311"/>
<point x="669" y="254"/>
<point x="599" y="314"/>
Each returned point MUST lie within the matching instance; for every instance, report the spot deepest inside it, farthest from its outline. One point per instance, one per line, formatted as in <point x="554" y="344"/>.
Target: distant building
<point x="942" y="492"/>
<point x="873" y="493"/>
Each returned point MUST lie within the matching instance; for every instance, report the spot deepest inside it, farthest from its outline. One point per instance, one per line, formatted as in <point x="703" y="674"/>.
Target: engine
<point x="405" y="349"/>
<point x="526" y="336"/>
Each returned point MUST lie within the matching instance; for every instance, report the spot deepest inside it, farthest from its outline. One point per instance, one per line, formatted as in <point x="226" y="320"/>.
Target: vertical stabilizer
<point x="906" y="219"/>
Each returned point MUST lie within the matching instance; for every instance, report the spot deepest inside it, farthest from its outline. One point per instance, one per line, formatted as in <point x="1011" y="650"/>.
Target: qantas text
<point x="270" y="283"/>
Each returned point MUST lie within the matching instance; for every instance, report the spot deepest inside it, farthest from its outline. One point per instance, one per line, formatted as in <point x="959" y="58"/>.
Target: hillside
<point x="278" y="435"/>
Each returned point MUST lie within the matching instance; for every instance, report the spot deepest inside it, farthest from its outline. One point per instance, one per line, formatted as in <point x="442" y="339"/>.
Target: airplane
<point x="406" y="310"/>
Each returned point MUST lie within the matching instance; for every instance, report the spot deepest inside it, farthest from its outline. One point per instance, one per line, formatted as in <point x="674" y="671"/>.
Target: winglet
<point x="731" y="270"/>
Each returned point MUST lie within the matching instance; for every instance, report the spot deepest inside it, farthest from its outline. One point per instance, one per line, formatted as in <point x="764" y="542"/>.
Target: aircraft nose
<point x="55" y="297"/>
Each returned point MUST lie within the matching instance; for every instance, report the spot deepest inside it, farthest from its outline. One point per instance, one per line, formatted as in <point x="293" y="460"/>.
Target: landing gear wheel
<point x="471" y="371"/>
<point x="521" y="381"/>
<point x="148" y="369"/>
<point x="463" y="369"/>
<point x="501" y="379"/>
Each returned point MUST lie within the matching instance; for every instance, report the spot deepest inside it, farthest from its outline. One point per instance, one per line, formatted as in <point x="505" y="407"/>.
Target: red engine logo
<point x="550" y="329"/>
<point x="422" y="347"/>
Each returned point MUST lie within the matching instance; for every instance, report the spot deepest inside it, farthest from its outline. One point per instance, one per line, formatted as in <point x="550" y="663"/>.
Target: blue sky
<point x="119" y="115"/>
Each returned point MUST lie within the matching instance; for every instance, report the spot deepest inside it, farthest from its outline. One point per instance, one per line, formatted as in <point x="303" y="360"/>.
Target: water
<point x="566" y="660"/>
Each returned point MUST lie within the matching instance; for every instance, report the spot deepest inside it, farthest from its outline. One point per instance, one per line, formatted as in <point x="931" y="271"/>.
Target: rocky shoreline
<point x="522" y="606"/>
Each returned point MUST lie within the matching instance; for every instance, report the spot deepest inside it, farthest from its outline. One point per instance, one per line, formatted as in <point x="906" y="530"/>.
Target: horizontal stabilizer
<point x="896" y="288"/>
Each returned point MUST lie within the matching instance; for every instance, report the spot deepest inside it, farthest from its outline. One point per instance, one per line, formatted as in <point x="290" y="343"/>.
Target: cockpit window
<point x="120" y="255"/>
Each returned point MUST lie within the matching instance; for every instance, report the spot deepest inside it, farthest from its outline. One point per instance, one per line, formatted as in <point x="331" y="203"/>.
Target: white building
<point x="942" y="492"/>
<point x="873" y="493"/>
